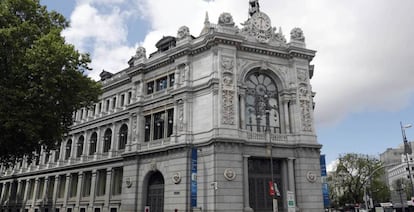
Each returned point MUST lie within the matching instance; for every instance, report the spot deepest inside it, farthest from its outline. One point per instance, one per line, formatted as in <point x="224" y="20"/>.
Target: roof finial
<point x="253" y="7"/>
<point x="206" y="21"/>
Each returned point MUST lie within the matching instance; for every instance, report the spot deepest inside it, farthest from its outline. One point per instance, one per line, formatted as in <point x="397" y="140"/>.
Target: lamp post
<point x="407" y="150"/>
<point x="267" y="109"/>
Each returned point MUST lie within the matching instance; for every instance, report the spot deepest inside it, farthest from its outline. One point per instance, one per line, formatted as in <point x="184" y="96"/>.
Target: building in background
<point x="191" y="127"/>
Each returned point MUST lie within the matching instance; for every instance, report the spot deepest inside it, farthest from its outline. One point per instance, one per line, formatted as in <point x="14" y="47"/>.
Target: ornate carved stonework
<point x="229" y="174"/>
<point x="180" y="115"/>
<point x="258" y="27"/>
<point x="183" y="32"/>
<point x="302" y="75"/>
<point x="227" y="64"/>
<point x="228" y="107"/>
<point x="226" y="19"/>
<point x="306" y="115"/>
<point x="306" y="109"/>
<point x="311" y="177"/>
<point x="153" y="165"/>
<point x="134" y="126"/>
<point x="176" y="178"/>
<point x="140" y="53"/>
<point x="228" y="93"/>
<point x="297" y="35"/>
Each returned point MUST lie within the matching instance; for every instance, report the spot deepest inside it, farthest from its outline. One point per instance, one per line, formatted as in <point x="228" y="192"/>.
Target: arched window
<point x="92" y="143"/>
<point x="79" y="150"/>
<point x="123" y="135"/>
<point x="68" y="149"/>
<point x="262" y="102"/>
<point x="107" y="140"/>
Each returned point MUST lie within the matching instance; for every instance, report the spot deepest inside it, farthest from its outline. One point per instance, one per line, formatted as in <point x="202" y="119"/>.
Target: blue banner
<point x="193" y="177"/>
<point x="325" y="188"/>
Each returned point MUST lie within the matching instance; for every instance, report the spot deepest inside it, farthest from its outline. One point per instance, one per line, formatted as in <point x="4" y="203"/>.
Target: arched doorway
<point x="155" y="192"/>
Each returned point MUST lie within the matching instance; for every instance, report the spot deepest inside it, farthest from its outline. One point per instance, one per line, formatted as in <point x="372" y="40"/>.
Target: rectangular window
<point x="114" y="103"/>
<point x="62" y="182"/>
<point x="81" y="114"/>
<point x="83" y="210"/>
<point x="113" y="210"/>
<point x="159" y="121"/>
<point x="147" y="127"/>
<point x="129" y="97"/>
<point x="101" y="182"/>
<point x="170" y="122"/>
<point x="122" y="100"/>
<point x="40" y="187"/>
<point x="69" y="210"/>
<point x="150" y="87"/>
<point x="73" y="185"/>
<point x="97" y="210"/>
<point x="171" y="80"/>
<point x="107" y="105"/>
<point x="87" y="182"/>
<point x="100" y="107"/>
<point x="117" y="181"/>
<point x="22" y="190"/>
<point x="31" y="189"/>
<point x="50" y="187"/>
<point x="161" y="83"/>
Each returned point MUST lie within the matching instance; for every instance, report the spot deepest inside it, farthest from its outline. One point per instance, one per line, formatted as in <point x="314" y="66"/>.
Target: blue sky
<point x="364" y="66"/>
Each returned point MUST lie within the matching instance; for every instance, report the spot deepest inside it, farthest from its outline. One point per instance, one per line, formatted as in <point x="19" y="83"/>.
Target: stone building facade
<point x="190" y="128"/>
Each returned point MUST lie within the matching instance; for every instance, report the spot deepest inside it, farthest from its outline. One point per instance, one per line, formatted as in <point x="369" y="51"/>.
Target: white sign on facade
<point x="291" y="201"/>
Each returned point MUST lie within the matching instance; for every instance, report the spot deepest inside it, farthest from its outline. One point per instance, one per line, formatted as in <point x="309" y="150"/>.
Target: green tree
<point x="42" y="78"/>
<point x="352" y="174"/>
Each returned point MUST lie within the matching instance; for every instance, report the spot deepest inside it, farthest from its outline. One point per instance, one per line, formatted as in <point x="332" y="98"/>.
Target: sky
<point x="364" y="65"/>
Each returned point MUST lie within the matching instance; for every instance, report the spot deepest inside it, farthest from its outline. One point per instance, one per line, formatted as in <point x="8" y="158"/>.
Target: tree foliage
<point x="42" y="78"/>
<point x="352" y="174"/>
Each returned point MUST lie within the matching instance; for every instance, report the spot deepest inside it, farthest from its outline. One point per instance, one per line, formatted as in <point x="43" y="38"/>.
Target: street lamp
<point x="267" y="109"/>
<point x="407" y="150"/>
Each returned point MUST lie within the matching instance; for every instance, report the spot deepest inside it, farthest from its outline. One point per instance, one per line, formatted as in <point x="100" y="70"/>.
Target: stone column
<point x="130" y="130"/>
<point x="86" y="144"/>
<point x="19" y="191"/>
<point x="99" y="145"/>
<point x="67" y="190"/>
<point x="79" y="190"/>
<point x="108" y="189"/>
<point x="286" y="117"/>
<point x="26" y="191"/>
<point x="45" y="189"/>
<point x="246" y="199"/>
<point x="284" y="187"/>
<point x="55" y="192"/>
<point x="74" y="148"/>
<point x="36" y="187"/>
<point x="3" y="191"/>
<point x="92" y="194"/>
<point x="114" y="141"/>
<point x="291" y="174"/>
<point x="294" y="116"/>
<point x="242" y="110"/>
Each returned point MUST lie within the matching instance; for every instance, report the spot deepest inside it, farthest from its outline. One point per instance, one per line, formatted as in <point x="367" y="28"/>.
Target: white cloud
<point x="332" y="165"/>
<point x="364" y="60"/>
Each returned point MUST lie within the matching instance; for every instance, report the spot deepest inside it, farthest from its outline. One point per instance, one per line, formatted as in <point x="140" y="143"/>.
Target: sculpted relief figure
<point x="140" y="53"/>
<point x="297" y="34"/>
<point x="183" y="32"/>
